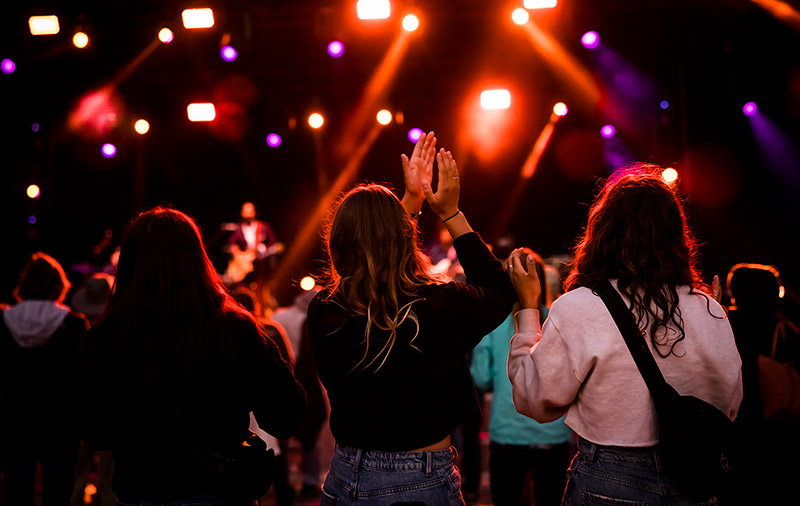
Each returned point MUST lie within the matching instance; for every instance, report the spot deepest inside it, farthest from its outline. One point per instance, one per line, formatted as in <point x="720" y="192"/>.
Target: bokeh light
<point x="373" y="9"/>
<point x="560" y="109"/>
<point x="669" y="175"/>
<point x="32" y="219"/>
<point x="750" y="108"/>
<point x="384" y="117"/>
<point x="539" y="4"/>
<point x="198" y="18"/>
<point x="410" y="23"/>
<point x="273" y="140"/>
<point x="35" y="127"/>
<point x="336" y="48"/>
<point x="43" y="25"/>
<point x="590" y="40"/>
<point x="165" y="35"/>
<point x="414" y="134"/>
<point x="8" y="66"/>
<point x="307" y="283"/>
<point x="520" y="16"/>
<point x="608" y="131"/>
<point x="228" y="53"/>
<point x="108" y="150"/>
<point x="142" y="126"/>
<point x="316" y="120"/>
<point x="664" y="105"/>
<point x="33" y="191"/>
<point x="201" y="111"/>
<point x="80" y="40"/>
<point x="495" y="99"/>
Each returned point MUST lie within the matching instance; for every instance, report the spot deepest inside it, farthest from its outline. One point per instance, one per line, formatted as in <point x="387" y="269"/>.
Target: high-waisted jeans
<point x="372" y="478"/>
<point x="621" y="476"/>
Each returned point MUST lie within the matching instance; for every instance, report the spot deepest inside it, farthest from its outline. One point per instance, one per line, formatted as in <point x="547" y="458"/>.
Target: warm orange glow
<point x="96" y="114"/>
<point x="782" y="11"/>
<point x="567" y="67"/>
<point x="539" y="4"/>
<point x="373" y="9"/>
<point x="43" y="25"/>
<point x="165" y="35"/>
<point x="669" y="175"/>
<point x="307" y="283"/>
<point x="33" y="191"/>
<point x="536" y="153"/>
<point x="80" y="40"/>
<point x="316" y="120"/>
<point x="142" y="126"/>
<point x="410" y="23"/>
<point x="560" y="109"/>
<point x="520" y="16"/>
<point x="495" y="99"/>
<point x="198" y="18"/>
<point x="384" y="117"/>
<point x="203" y="111"/>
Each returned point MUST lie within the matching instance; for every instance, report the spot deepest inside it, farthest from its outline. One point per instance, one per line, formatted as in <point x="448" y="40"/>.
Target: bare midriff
<point x="444" y="444"/>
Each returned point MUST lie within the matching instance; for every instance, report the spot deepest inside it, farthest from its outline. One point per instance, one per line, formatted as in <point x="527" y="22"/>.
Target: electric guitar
<point x="241" y="262"/>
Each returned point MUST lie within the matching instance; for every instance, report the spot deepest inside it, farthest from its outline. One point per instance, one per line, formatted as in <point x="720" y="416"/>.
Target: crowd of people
<point x="141" y="379"/>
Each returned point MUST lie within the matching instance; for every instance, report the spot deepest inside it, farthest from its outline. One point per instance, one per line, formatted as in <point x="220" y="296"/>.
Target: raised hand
<point x="445" y="201"/>
<point x="522" y="271"/>
<point x="418" y="169"/>
<point x="716" y="289"/>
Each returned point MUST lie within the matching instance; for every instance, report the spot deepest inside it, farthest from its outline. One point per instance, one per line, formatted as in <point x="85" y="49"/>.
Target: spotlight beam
<point x="782" y="11"/>
<point x="567" y="67"/>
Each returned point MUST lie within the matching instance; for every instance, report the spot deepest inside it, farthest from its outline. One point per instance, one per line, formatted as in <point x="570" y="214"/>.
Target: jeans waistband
<point x="639" y="454"/>
<point x="405" y="461"/>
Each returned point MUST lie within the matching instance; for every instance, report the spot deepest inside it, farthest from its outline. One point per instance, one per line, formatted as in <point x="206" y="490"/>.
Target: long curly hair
<point x="376" y="264"/>
<point x="637" y="233"/>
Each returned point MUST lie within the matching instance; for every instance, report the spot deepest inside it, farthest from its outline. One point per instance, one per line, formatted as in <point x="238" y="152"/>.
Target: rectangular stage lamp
<point x="43" y="25"/>
<point x="203" y="111"/>
<point x="198" y="18"/>
<point x="495" y="99"/>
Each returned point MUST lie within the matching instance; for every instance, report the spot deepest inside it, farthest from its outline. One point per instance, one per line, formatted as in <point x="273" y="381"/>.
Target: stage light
<point x="203" y="111"/>
<point x="664" y="105"/>
<point x="8" y="66"/>
<point x="43" y="25"/>
<point x="520" y="16"/>
<point x="32" y="219"/>
<point x="228" y="53"/>
<point x="336" y="48"/>
<point x="414" y="134"/>
<point x="80" y="40"/>
<point x="307" y="283"/>
<point x="108" y="150"/>
<point x="410" y="23"/>
<point x="384" y="117"/>
<point x="316" y="120"/>
<point x="669" y="175"/>
<point x="35" y="127"/>
<point x="750" y="108"/>
<point x="273" y="140"/>
<point x="495" y="99"/>
<point x="539" y="4"/>
<point x="142" y="126"/>
<point x="198" y="18"/>
<point x="560" y="109"/>
<point x="608" y="131"/>
<point x="33" y="191"/>
<point x="373" y="9"/>
<point x="165" y="35"/>
<point x="590" y="40"/>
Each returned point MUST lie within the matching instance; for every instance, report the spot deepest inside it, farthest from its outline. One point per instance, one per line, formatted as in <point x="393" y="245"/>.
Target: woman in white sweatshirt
<point x="578" y="364"/>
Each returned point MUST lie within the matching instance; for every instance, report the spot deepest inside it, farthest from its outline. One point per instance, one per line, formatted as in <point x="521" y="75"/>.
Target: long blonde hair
<point x="376" y="263"/>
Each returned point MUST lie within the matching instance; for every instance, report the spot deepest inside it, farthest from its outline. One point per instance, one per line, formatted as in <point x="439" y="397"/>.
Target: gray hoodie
<point x="33" y="322"/>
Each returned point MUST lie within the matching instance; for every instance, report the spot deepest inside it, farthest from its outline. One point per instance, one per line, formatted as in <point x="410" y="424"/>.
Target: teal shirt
<point x="506" y="426"/>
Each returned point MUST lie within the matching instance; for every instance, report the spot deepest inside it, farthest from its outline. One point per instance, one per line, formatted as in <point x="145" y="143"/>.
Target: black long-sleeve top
<point x="424" y="389"/>
<point x="151" y="429"/>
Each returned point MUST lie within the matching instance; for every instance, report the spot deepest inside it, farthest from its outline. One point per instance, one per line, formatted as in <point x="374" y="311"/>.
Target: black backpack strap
<point x="659" y="389"/>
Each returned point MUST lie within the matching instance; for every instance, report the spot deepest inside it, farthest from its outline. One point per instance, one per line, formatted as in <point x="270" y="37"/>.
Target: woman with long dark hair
<point x="175" y="364"/>
<point x="579" y="365"/>
<point x="390" y="342"/>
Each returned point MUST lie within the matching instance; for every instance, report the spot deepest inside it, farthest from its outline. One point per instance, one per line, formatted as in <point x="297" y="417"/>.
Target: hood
<point x="33" y="322"/>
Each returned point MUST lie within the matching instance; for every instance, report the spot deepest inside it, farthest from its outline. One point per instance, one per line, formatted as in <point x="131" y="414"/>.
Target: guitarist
<point x="252" y="246"/>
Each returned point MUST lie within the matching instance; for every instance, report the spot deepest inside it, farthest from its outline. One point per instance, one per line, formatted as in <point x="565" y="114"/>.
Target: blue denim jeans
<point x="371" y="478"/>
<point x="200" y="500"/>
<point x="621" y="476"/>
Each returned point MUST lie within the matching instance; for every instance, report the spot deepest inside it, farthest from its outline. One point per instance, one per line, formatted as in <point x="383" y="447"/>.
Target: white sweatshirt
<point x="579" y="365"/>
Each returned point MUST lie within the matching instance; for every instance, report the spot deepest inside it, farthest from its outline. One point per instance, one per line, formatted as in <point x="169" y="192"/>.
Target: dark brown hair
<point x="42" y="278"/>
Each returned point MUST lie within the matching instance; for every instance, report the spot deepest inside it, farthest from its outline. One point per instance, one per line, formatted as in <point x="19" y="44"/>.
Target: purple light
<point x="336" y="48"/>
<point x="590" y="40"/>
<point x="273" y="140"/>
<point x="32" y="219"/>
<point x="8" y="66"/>
<point x="109" y="150"/>
<point x="414" y="134"/>
<point x="228" y="53"/>
<point x="608" y="131"/>
<point x="35" y="127"/>
<point x="664" y="105"/>
<point x="750" y="109"/>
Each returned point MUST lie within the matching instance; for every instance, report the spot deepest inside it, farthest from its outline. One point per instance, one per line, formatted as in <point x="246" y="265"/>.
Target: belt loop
<point x="428" y="464"/>
<point x="357" y="461"/>
<point x="590" y="452"/>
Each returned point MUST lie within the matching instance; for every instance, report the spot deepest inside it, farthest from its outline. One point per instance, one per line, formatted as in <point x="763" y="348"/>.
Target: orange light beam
<point x="568" y="69"/>
<point x="782" y="11"/>
<point x="299" y="248"/>
<point x="130" y="67"/>
<point x="375" y="90"/>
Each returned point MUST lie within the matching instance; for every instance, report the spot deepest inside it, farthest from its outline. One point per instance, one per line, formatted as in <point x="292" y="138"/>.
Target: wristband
<point x="451" y="217"/>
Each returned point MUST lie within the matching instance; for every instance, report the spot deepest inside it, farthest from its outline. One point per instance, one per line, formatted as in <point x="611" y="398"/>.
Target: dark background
<point x="706" y="57"/>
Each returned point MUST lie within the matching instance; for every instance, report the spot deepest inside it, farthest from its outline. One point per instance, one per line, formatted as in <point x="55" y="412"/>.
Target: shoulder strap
<point x="659" y="389"/>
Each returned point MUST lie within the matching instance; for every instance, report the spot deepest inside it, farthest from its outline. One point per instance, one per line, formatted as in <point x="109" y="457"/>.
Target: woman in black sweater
<point x="175" y="364"/>
<point x="391" y="344"/>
